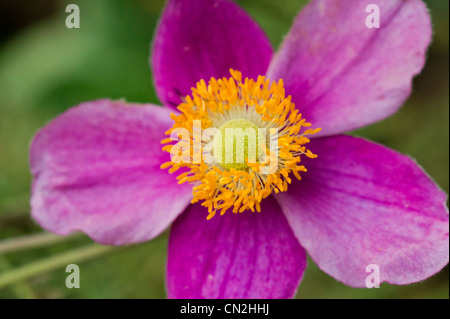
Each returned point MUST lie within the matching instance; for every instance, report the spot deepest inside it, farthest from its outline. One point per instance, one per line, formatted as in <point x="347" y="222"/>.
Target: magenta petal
<point x="96" y="169"/>
<point x="343" y="75"/>
<point x="204" y="38"/>
<point x="248" y="255"/>
<point x="361" y="203"/>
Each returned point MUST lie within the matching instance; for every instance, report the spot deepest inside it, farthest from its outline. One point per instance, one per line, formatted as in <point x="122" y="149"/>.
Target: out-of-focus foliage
<point x="46" y="68"/>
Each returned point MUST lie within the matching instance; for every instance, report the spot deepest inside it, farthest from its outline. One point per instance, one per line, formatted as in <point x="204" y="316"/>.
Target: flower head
<point x="99" y="167"/>
<point x="227" y="181"/>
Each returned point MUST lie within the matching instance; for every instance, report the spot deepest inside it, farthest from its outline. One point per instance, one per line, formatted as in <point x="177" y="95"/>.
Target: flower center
<point x="237" y="142"/>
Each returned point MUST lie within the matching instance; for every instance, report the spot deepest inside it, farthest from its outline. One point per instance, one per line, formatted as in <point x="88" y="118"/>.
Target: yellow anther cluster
<point x="263" y="103"/>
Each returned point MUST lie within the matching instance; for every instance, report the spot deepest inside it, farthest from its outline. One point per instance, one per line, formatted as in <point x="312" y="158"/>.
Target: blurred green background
<point x="46" y="68"/>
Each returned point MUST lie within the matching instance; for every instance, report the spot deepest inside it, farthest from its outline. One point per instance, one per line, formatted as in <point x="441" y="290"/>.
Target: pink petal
<point x="248" y="255"/>
<point x="343" y="75"/>
<point x="361" y="204"/>
<point x="203" y="38"/>
<point x="96" y="169"/>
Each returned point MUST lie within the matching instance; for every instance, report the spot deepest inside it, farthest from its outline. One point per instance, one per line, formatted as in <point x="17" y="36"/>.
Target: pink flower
<point x="97" y="168"/>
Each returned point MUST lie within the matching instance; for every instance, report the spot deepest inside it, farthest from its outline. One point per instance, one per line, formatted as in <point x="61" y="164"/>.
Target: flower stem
<point x="51" y="263"/>
<point x="21" y="289"/>
<point x="30" y="241"/>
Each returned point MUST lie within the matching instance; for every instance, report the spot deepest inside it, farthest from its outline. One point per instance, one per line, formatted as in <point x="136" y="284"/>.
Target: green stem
<point x="21" y="289"/>
<point x="52" y="263"/>
<point x="30" y="241"/>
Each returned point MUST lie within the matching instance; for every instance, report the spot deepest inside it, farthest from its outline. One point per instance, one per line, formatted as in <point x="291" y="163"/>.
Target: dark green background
<point x="46" y="68"/>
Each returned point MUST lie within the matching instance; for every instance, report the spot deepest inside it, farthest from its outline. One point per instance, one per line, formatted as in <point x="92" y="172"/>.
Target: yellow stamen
<point x="230" y="103"/>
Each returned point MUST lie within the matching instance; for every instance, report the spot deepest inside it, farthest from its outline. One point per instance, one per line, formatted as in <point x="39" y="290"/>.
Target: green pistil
<point x="240" y="138"/>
